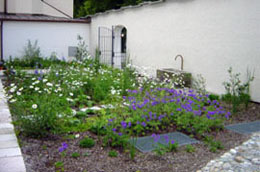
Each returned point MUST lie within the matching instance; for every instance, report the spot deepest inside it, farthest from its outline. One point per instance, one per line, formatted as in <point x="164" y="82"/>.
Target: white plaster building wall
<point x="52" y="37"/>
<point x="65" y="6"/>
<point x="211" y="35"/>
<point x="20" y="6"/>
<point x="1" y="6"/>
<point x="38" y="7"/>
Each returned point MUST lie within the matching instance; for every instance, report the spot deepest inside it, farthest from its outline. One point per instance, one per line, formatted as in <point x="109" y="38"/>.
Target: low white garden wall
<point x="211" y="35"/>
<point x="52" y="37"/>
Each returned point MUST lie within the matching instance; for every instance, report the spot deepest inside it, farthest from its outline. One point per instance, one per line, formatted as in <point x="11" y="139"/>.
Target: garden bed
<point x="51" y="127"/>
<point x="41" y="154"/>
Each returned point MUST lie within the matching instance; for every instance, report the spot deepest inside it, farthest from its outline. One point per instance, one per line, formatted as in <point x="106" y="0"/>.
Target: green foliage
<point x="213" y="145"/>
<point x="39" y="116"/>
<point x="112" y="153"/>
<point x="82" y="52"/>
<point x="236" y="91"/>
<point x="190" y="148"/>
<point x="198" y="124"/>
<point x="31" y="51"/>
<point x="87" y="7"/>
<point x="75" y="155"/>
<point x="87" y="143"/>
<point x="32" y="59"/>
<point x="213" y="97"/>
<point x="59" y="166"/>
<point x="161" y="149"/>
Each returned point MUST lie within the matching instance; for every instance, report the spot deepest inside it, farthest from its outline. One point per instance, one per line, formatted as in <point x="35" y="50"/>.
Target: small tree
<point x="31" y="51"/>
<point x="82" y="52"/>
<point x="238" y="92"/>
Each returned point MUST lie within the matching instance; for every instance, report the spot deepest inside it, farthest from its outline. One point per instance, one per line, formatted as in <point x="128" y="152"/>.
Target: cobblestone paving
<point x="244" y="158"/>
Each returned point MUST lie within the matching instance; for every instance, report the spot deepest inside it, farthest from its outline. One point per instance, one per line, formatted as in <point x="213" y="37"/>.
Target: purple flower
<point x="133" y="107"/>
<point x="120" y="134"/>
<point x="227" y="115"/>
<point x="143" y="124"/>
<point x="63" y="147"/>
<point x="129" y="124"/>
<point x="211" y="112"/>
<point x="123" y="124"/>
<point x="39" y="78"/>
<point x="166" y="137"/>
<point x="172" y="142"/>
<point x="155" y="137"/>
<point x="114" y="129"/>
<point x="36" y="72"/>
<point x="178" y="109"/>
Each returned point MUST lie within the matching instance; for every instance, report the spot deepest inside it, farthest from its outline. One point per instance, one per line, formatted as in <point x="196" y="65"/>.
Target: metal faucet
<point x="181" y="60"/>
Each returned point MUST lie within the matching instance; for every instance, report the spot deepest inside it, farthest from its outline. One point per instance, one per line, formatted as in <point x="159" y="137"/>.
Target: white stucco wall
<point x="1" y="6"/>
<point x="211" y="35"/>
<point x="52" y="37"/>
<point x="38" y="7"/>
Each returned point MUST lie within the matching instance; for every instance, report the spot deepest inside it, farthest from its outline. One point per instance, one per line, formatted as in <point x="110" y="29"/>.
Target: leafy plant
<point x="82" y="52"/>
<point x="190" y="148"/>
<point x="75" y="155"/>
<point x="236" y="91"/>
<point x="87" y="143"/>
<point x="59" y="166"/>
<point x="213" y="97"/>
<point x="112" y="153"/>
<point x="213" y="145"/>
<point x="31" y="51"/>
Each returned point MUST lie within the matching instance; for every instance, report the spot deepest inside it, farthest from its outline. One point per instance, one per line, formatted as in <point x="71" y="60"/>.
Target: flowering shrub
<point x="156" y="109"/>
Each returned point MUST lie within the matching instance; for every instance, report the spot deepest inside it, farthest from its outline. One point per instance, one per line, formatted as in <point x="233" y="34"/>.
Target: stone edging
<point x="245" y="157"/>
<point x="11" y="159"/>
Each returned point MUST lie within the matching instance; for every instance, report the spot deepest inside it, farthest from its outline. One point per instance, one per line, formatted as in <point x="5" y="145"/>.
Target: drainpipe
<point x="56" y="9"/>
<point x="1" y="43"/>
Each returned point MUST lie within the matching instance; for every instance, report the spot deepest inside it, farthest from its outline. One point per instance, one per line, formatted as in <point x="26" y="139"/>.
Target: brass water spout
<point x="181" y="60"/>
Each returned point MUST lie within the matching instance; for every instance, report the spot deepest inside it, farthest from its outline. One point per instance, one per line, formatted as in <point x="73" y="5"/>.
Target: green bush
<point x="87" y="143"/>
<point x="213" y="97"/>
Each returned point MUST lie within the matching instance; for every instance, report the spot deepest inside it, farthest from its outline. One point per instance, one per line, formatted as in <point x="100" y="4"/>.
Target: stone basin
<point x="174" y="74"/>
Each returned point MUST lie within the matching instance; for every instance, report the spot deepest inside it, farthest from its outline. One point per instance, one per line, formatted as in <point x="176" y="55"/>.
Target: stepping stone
<point x="147" y="144"/>
<point x="245" y="128"/>
<point x="12" y="164"/>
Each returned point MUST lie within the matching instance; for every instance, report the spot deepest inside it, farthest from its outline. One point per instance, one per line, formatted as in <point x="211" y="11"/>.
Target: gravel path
<point x="244" y="158"/>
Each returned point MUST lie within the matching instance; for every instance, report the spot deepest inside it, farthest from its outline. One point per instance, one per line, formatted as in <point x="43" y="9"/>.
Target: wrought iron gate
<point x="109" y="51"/>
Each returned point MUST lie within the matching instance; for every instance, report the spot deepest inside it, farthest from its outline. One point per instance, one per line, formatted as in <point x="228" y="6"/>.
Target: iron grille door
<point x="106" y="45"/>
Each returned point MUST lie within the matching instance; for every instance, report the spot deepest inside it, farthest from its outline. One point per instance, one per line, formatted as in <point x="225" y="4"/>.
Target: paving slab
<point x="147" y="144"/>
<point x="6" y="128"/>
<point x="6" y="137"/>
<point x="12" y="164"/>
<point x="245" y="128"/>
<point x="10" y="152"/>
<point x="8" y="144"/>
<point x="5" y="116"/>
